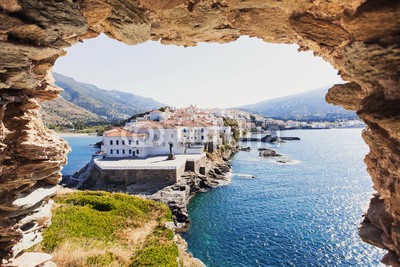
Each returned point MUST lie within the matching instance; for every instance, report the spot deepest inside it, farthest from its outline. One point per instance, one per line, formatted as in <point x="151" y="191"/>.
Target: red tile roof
<point x="120" y="132"/>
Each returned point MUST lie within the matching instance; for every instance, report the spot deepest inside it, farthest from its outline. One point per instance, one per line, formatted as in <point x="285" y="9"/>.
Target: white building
<point x="157" y="115"/>
<point x="149" y="138"/>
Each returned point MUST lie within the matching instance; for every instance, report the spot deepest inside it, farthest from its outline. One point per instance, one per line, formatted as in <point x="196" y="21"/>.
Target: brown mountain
<point x="60" y="112"/>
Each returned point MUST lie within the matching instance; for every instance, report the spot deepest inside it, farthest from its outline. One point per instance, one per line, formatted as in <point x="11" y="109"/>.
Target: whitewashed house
<point x="151" y="139"/>
<point x="120" y="143"/>
<point x="157" y="115"/>
<point x="190" y="130"/>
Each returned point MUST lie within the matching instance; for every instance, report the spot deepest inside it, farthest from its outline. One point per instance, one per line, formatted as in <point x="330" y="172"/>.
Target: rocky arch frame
<point x="360" y="38"/>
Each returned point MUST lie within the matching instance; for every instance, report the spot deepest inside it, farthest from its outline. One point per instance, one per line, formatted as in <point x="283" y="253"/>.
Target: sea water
<point x="301" y="214"/>
<point x="81" y="154"/>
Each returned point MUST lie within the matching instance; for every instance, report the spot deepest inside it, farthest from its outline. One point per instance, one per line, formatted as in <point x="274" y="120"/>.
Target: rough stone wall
<point x="360" y="38"/>
<point x="151" y="178"/>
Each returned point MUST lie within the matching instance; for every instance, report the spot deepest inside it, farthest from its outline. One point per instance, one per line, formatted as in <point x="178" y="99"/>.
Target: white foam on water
<point x="288" y="162"/>
<point x="244" y="175"/>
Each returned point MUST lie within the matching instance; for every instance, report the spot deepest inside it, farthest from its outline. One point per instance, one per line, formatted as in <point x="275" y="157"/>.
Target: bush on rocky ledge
<point x="109" y="229"/>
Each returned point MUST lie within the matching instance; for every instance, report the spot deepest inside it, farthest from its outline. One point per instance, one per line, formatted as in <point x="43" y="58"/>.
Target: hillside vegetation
<point x="61" y="112"/>
<point x="307" y="106"/>
<point x="109" y="229"/>
<point x="113" y="105"/>
<point x="82" y="105"/>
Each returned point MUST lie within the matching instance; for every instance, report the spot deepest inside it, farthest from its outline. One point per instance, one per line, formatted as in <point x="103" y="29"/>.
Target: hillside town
<point x="193" y="130"/>
<point x="186" y="130"/>
<point x="260" y="123"/>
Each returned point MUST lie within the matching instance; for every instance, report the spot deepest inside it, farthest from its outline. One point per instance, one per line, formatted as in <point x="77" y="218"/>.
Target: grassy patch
<point x="104" y="229"/>
<point x="159" y="250"/>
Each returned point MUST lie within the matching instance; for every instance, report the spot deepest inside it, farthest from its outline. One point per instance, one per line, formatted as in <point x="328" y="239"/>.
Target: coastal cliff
<point x="360" y="38"/>
<point x="176" y="196"/>
<point x="98" y="228"/>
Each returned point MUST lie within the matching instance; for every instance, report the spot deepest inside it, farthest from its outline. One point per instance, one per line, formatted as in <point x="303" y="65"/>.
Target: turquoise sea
<point x="304" y="214"/>
<point x="81" y="154"/>
<point x="301" y="214"/>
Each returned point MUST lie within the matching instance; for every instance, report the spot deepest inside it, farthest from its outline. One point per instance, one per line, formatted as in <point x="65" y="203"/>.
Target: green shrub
<point x="230" y="122"/>
<point x="225" y="147"/>
<point x="165" y="256"/>
<point x="159" y="250"/>
<point x="236" y="134"/>
<point x="101" y="260"/>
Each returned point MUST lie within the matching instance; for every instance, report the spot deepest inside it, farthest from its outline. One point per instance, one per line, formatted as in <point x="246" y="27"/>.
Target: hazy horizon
<point x="236" y="74"/>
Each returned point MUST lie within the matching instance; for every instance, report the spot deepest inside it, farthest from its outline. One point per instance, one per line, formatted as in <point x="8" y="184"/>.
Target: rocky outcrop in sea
<point x="268" y="153"/>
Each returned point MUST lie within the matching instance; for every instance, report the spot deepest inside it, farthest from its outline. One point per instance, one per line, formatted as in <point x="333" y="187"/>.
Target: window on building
<point x="184" y="130"/>
<point x="117" y="151"/>
<point x="202" y="137"/>
<point x="123" y="142"/>
<point x="202" y="130"/>
<point x="123" y="151"/>
<point x="111" y="151"/>
<point x="155" y="136"/>
<point x="137" y="151"/>
<point x="130" y="151"/>
<point x="137" y="142"/>
<point x="111" y="142"/>
<point x="130" y="143"/>
<point x="117" y="142"/>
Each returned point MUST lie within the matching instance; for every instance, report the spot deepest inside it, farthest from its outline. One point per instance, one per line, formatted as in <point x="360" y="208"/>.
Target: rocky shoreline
<point x="176" y="196"/>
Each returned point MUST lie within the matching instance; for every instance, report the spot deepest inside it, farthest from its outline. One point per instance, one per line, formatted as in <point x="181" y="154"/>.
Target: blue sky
<point x="209" y="75"/>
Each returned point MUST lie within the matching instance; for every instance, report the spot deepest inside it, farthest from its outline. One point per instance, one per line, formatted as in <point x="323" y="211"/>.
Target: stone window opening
<point x="334" y="42"/>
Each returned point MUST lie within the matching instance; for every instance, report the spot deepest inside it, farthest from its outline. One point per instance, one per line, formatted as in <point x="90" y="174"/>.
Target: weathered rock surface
<point x="33" y="259"/>
<point x="360" y="38"/>
<point x="268" y="153"/>
<point x="184" y="256"/>
<point x="177" y="196"/>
